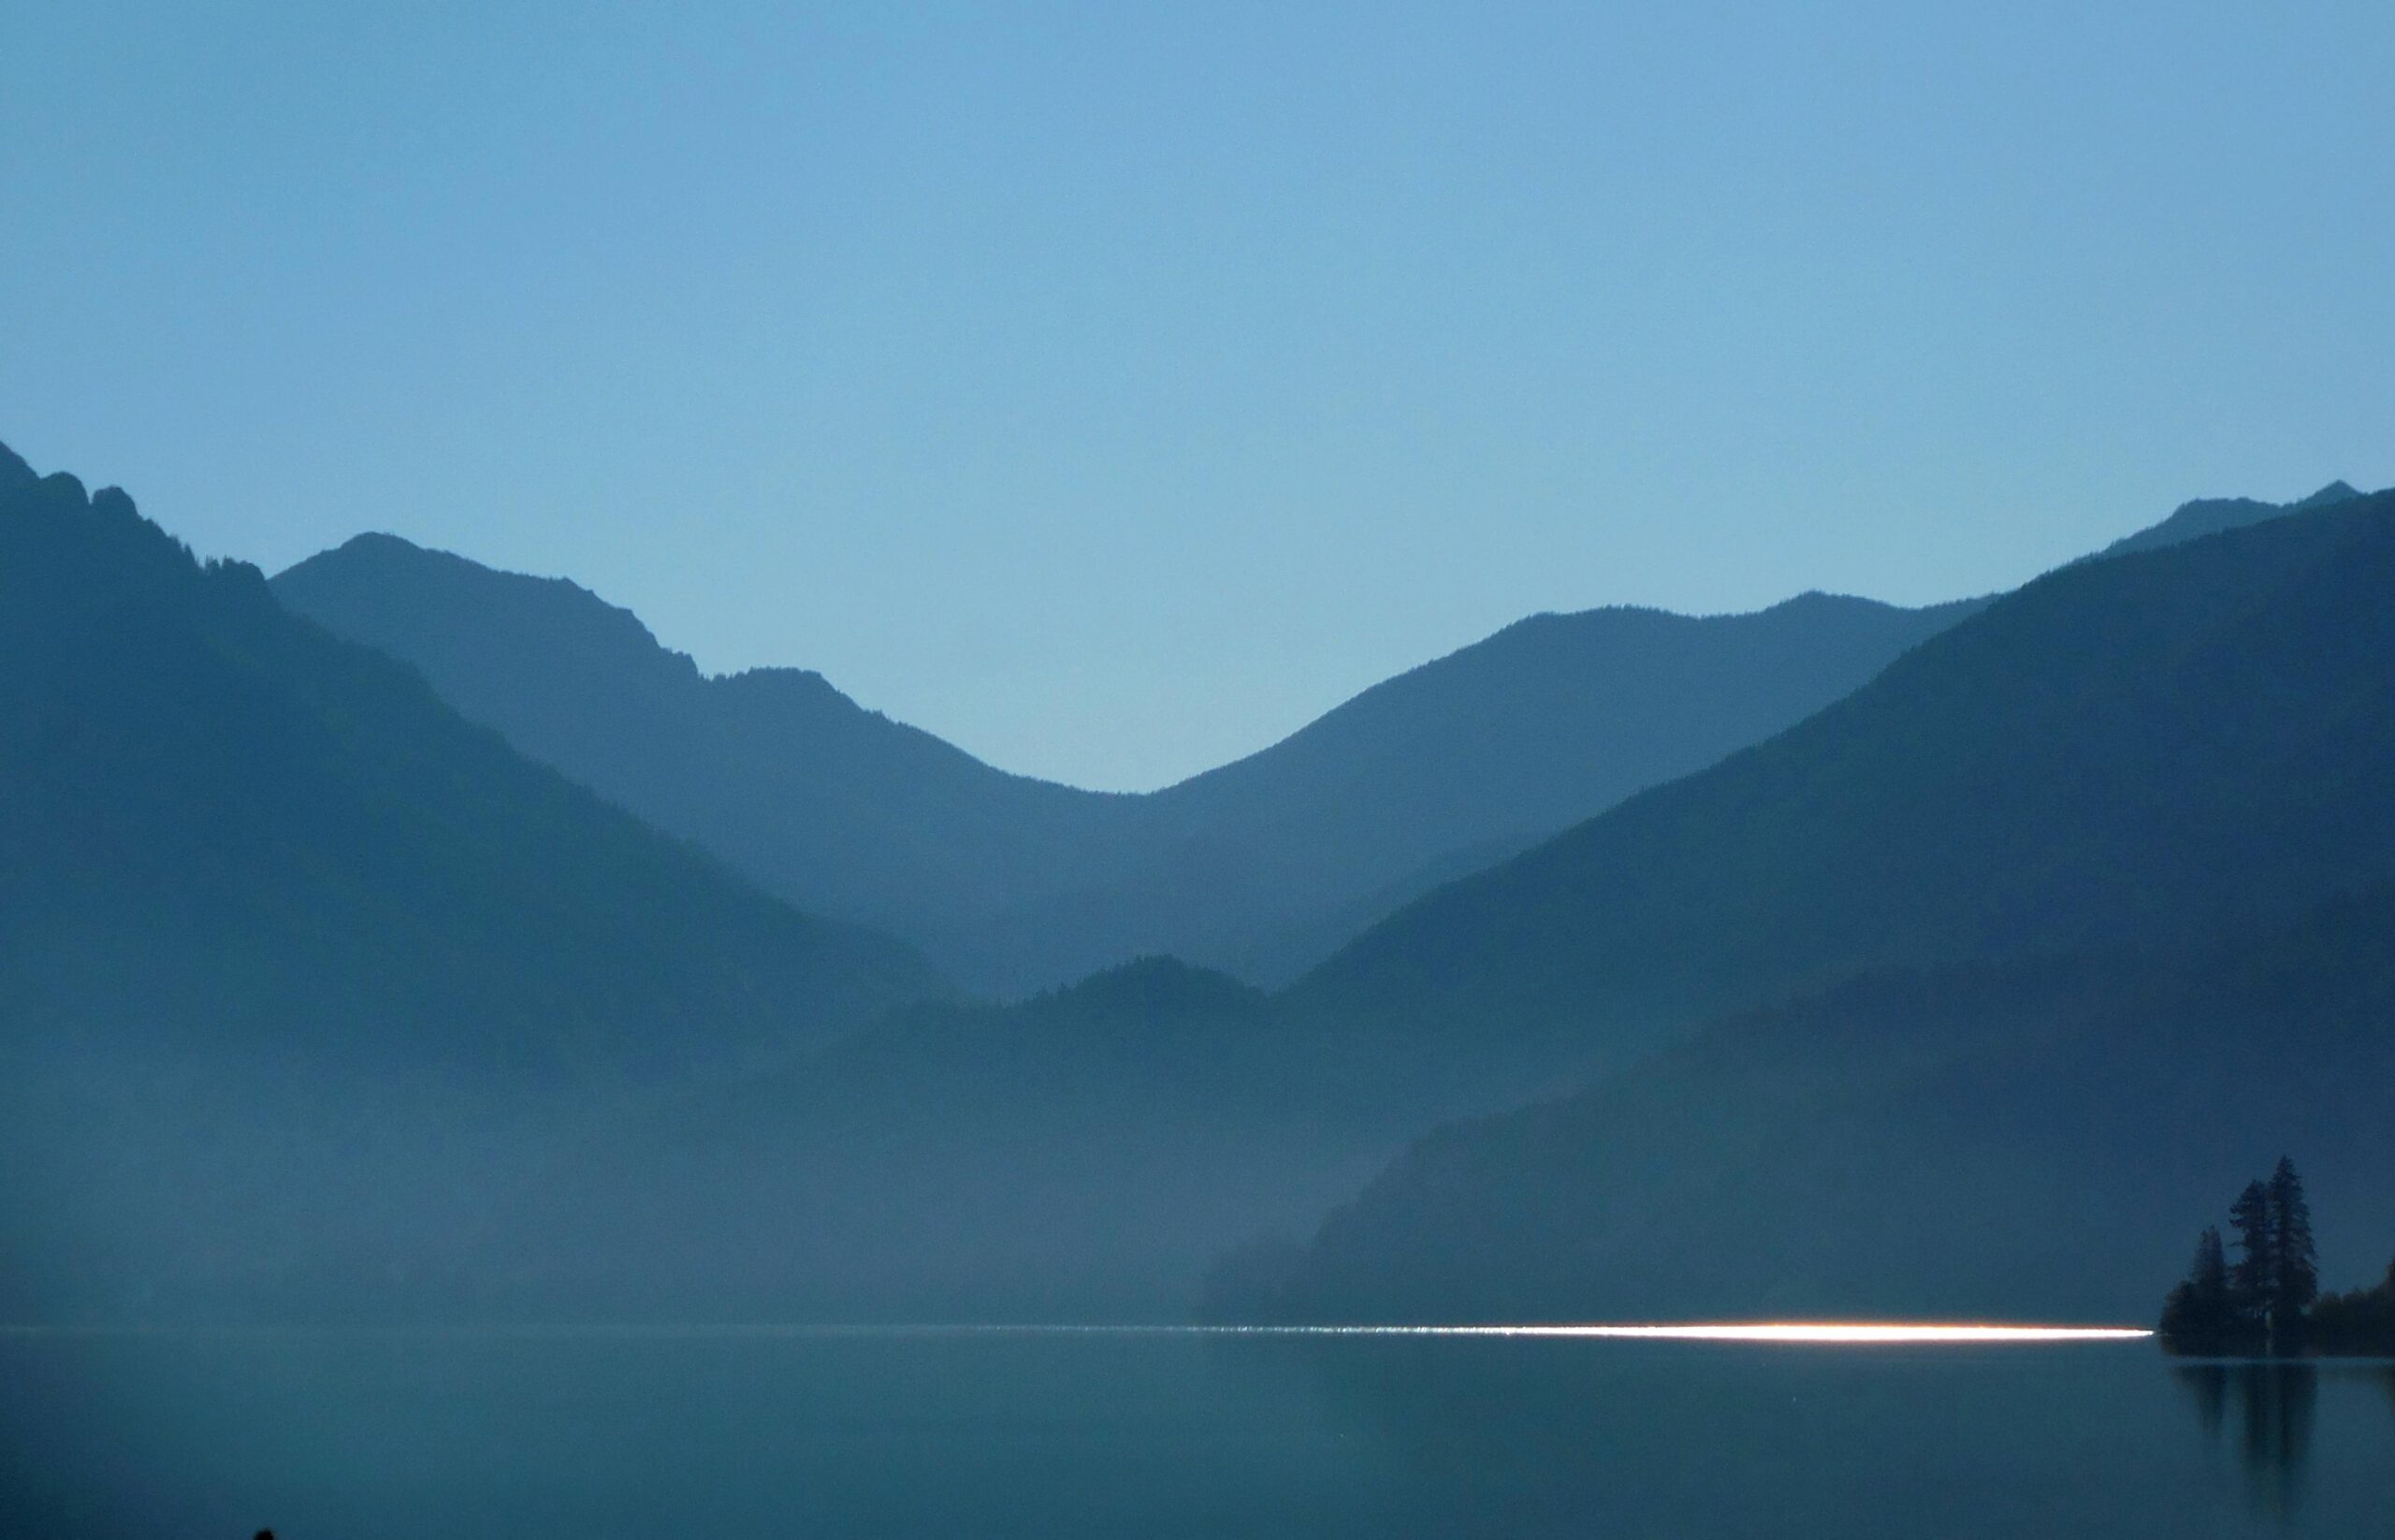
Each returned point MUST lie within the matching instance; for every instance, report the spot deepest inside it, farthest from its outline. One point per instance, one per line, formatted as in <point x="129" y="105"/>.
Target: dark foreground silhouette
<point x="2269" y="1303"/>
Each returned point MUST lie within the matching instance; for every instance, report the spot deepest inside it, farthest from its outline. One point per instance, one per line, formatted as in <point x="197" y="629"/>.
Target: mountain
<point x="1012" y="884"/>
<point x="1079" y="1157"/>
<point x="2125" y="750"/>
<point x="2037" y="1140"/>
<point x="1489" y="749"/>
<point x="275" y="924"/>
<point x="2036" y="946"/>
<point x="2212" y="515"/>
<point x="316" y="999"/>
<point x="1076" y="1155"/>
<point x="834" y="807"/>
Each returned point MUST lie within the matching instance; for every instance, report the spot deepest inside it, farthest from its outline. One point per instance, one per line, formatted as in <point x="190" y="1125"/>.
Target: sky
<point x="1113" y="389"/>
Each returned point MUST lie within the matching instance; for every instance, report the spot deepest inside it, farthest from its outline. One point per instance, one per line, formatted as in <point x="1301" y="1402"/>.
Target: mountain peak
<point x="1153" y="986"/>
<point x="1822" y="602"/>
<point x="390" y="590"/>
<point x="2336" y="491"/>
<point x="14" y="471"/>
<point x="378" y="542"/>
<point x="2203" y="517"/>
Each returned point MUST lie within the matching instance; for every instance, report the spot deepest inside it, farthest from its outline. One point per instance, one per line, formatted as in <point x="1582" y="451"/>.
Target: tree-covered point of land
<point x="2269" y="1301"/>
<point x="2363" y="1321"/>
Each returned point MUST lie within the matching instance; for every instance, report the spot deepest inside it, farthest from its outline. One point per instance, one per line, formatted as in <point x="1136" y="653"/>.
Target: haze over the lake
<point x="1709" y="703"/>
<point x="1111" y="394"/>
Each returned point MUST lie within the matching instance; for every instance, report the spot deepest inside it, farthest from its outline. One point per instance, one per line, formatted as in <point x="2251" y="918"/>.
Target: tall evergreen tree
<point x="2209" y="1276"/>
<point x="2295" y="1264"/>
<point x="2199" y="1313"/>
<point x="2249" y="1281"/>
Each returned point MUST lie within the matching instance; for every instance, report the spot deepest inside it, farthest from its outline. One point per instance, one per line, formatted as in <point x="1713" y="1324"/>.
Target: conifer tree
<point x="2249" y="1281"/>
<point x="2295" y="1264"/>
<point x="2210" y="1277"/>
<point x="2199" y="1313"/>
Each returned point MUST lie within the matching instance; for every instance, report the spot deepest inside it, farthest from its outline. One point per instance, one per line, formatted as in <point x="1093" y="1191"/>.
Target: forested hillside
<point x="264" y="899"/>
<point x="2136" y="749"/>
<point x="2014" y="1140"/>
<point x="1261" y="867"/>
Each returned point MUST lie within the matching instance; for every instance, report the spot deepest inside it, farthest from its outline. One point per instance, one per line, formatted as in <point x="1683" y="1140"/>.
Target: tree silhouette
<point x="2270" y="1302"/>
<point x="2363" y="1321"/>
<point x="2199" y="1314"/>
<point x="2249" y="1281"/>
<point x="2295" y="1270"/>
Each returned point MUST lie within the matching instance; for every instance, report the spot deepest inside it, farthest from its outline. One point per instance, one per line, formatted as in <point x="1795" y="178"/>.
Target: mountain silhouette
<point x="1078" y="1157"/>
<point x="2031" y="1140"/>
<point x="321" y="999"/>
<point x="2058" y="898"/>
<point x="264" y="895"/>
<point x="835" y="806"/>
<point x="1260" y="867"/>
<point x="2131" y="750"/>
<point x="2212" y="515"/>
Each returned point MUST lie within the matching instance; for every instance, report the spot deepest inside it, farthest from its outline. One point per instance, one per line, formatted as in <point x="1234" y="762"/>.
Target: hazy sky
<point x="1113" y="388"/>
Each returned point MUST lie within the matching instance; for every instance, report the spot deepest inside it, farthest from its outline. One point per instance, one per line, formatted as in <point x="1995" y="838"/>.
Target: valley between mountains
<point x="402" y="939"/>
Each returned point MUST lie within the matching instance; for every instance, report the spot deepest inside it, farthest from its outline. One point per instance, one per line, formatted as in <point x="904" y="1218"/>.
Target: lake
<point x="733" y="1433"/>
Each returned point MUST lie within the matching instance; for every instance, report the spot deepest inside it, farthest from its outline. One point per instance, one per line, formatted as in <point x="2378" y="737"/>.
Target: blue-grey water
<point x="729" y="1434"/>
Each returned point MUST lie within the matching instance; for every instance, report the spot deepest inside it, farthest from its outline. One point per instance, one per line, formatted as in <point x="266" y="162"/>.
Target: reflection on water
<point x="2276" y="1403"/>
<point x="1061" y="1435"/>
<point x="1785" y="1333"/>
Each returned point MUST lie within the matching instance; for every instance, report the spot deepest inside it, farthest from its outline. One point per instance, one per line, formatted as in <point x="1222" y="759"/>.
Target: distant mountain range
<point x="264" y="897"/>
<point x="2212" y="515"/>
<point x="2145" y="746"/>
<point x="1080" y="1156"/>
<point x="2118" y="795"/>
<point x="2093" y="856"/>
<point x="319" y="999"/>
<point x="2031" y="1140"/>
<point x="1260" y="867"/>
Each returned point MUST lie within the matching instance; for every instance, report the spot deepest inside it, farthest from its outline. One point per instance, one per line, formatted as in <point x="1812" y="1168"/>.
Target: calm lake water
<point x="726" y="1436"/>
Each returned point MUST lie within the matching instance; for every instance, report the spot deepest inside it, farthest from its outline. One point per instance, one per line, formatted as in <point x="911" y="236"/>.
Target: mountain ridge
<point x="1070" y="1157"/>
<point x="1080" y="1154"/>
<point x="1420" y="953"/>
<point x="2026" y="1138"/>
<point x="2202" y="516"/>
<point x="300" y="969"/>
<point x="1016" y="883"/>
<point x="2137" y="795"/>
<point x="1262" y="866"/>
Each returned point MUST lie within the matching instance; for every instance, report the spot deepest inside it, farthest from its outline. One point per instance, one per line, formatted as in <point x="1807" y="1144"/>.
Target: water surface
<point x="729" y="1434"/>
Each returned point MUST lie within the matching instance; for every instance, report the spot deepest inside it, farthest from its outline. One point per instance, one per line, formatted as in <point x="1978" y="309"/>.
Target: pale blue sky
<point x="1113" y="388"/>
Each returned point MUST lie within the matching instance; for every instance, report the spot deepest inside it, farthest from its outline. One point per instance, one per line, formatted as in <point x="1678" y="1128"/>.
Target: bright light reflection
<point x="1776" y="1332"/>
<point x="1728" y="1331"/>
